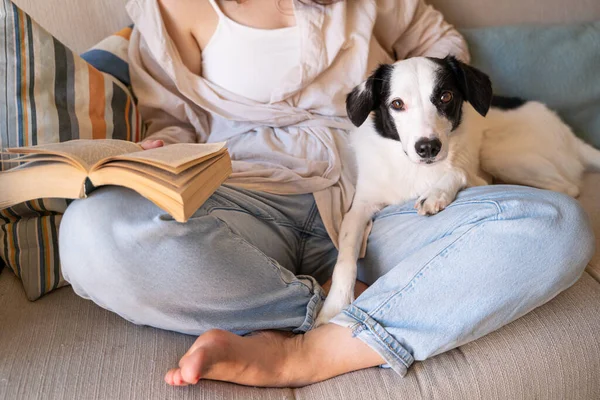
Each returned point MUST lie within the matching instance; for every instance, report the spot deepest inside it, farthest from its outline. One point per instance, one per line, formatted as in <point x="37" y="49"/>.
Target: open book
<point x="177" y="178"/>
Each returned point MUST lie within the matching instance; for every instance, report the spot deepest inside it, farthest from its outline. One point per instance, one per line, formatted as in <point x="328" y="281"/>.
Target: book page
<point x="30" y="158"/>
<point x="180" y="202"/>
<point x="84" y="152"/>
<point x="40" y="179"/>
<point x="175" y="157"/>
<point x="169" y="178"/>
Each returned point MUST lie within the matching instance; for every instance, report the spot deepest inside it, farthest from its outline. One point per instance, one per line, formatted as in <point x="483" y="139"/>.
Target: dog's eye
<point x="446" y="97"/>
<point x="398" y="105"/>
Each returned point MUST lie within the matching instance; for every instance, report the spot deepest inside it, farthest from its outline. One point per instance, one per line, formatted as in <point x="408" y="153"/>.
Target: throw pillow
<point x="52" y="95"/>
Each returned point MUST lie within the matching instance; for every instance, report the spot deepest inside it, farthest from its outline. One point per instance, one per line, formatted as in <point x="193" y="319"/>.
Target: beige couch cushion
<point x="65" y="347"/>
<point x="479" y="13"/>
<point x="590" y="199"/>
<point x="71" y="21"/>
<point x="551" y="353"/>
<point x="78" y="24"/>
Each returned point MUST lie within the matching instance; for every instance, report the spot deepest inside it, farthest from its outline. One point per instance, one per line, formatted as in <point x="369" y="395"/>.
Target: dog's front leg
<point x="352" y="232"/>
<point x="440" y="195"/>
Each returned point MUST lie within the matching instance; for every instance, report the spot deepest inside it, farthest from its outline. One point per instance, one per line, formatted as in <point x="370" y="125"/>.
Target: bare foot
<point x="272" y="358"/>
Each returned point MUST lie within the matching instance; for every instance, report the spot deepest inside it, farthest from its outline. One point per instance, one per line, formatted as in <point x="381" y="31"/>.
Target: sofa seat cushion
<point x="65" y="347"/>
<point x="551" y="353"/>
<point x="590" y="200"/>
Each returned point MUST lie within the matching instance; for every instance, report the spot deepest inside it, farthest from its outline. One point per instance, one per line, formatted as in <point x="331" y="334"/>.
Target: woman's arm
<point x="164" y="112"/>
<point x="410" y="28"/>
<point x="168" y="116"/>
<point x="177" y="17"/>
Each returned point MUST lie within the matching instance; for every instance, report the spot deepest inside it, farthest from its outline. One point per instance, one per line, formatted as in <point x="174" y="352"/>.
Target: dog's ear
<point x="475" y="86"/>
<point x="360" y="102"/>
<point x="366" y="96"/>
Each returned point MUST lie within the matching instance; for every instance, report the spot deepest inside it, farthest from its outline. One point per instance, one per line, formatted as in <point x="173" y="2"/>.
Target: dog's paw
<point x="432" y="202"/>
<point x="334" y="304"/>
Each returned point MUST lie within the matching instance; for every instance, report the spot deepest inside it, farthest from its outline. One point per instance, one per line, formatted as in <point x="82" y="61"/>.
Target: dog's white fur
<point x="529" y="145"/>
<point x="532" y="146"/>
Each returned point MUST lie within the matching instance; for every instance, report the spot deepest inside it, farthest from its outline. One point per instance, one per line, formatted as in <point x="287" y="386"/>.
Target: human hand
<point x="152" y="144"/>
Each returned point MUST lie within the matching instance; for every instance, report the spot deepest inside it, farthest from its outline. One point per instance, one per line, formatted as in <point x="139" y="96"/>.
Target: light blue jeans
<point x="249" y="261"/>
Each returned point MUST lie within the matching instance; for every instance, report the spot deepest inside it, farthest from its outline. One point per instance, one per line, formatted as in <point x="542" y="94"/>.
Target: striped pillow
<point x="29" y="243"/>
<point x="53" y="95"/>
<point x="110" y="55"/>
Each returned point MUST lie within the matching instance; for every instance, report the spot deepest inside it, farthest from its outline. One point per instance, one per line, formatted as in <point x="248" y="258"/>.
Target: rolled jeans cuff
<point x="314" y="305"/>
<point x="375" y="336"/>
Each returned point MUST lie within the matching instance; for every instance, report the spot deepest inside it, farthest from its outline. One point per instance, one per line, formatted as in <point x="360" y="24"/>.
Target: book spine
<point x="88" y="187"/>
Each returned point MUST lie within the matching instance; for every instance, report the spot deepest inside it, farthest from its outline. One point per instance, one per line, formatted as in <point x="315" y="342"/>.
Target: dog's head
<point x="419" y="102"/>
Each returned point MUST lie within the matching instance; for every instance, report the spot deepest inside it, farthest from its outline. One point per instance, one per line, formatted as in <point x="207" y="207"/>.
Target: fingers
<point x="152" y="144"/>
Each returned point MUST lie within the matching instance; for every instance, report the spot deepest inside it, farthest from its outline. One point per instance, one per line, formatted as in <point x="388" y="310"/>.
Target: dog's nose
<point x="428" y="148"/>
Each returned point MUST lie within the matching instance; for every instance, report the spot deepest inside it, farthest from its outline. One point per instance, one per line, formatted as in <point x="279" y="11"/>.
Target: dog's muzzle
<point x="427" y="149"/>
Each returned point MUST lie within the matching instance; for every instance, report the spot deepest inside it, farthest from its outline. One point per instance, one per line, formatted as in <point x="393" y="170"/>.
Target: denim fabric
<point x="249" y="261"/>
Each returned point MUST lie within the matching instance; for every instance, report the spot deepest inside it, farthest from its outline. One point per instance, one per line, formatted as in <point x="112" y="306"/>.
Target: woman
<point x="270" y="78"/>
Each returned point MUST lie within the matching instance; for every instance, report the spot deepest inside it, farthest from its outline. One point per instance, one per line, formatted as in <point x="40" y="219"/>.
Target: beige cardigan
<point x="297" y="141"/>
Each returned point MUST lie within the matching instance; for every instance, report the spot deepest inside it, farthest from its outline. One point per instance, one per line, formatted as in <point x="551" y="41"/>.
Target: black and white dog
<point x="422" y="133"/>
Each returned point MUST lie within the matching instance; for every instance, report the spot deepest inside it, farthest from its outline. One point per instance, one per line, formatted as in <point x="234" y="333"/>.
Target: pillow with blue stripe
<point x="110" y="55"/>
<point x="53" y="95"/>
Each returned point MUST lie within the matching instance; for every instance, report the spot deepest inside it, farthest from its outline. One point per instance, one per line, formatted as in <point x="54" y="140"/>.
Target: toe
<point x="197" y="344"/>
<point x="174" y="378"/>
<point x="191" y="366"/>
<point x="169" y="377"/>
<point x="178" y="379"/>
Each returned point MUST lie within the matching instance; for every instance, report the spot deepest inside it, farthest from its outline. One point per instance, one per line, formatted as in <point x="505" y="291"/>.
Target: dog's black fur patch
<point x="507" y="103"/>
<point x="466" y="84"/>
<point x="374" y="97"/>
<point x="384" y="123"/>
<point x="446" y="81"/>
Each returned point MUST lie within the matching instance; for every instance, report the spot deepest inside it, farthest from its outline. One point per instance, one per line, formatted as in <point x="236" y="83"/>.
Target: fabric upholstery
<point x="29" y="244"/>
<point x="52" y="95"/>
<point x="557" y="65"/>
<point x="590" y="200"/>
<point x="481" y="13"/>
<point x="64" y="347"/>
<point x="69" y="20"/>
<point x="110" y="55"/>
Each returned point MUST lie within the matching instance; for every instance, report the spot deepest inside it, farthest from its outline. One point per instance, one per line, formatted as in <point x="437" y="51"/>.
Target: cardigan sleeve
<point x="411" y="28"/>
<point x="168" y="116"/>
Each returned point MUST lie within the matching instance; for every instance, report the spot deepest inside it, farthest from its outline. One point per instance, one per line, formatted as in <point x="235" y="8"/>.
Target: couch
<point x="64" y="347"/>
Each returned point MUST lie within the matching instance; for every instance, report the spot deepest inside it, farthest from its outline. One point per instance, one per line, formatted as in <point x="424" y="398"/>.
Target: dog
<point x="526" y="143"/>
<point x="422" y="133"/>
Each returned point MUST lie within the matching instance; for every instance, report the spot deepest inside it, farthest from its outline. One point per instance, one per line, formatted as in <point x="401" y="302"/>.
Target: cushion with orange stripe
<point x="53" y="95"/>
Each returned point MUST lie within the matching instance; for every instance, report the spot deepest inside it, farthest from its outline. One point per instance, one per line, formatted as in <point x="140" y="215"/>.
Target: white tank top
<point x="248" y="61"/>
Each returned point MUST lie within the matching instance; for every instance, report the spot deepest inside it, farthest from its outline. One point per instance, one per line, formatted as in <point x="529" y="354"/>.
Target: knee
<point x="90" y="238"/>
<point x="565" y="234"/>
<point x="570" y="227"/>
